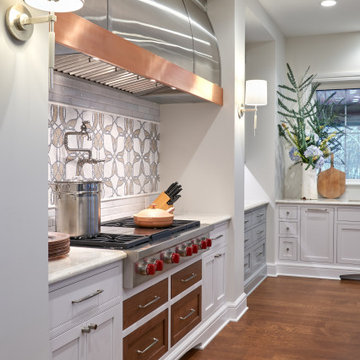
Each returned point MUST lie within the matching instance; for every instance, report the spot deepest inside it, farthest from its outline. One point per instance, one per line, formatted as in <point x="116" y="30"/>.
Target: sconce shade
<point x="256" y="93"/>
<point x="56" y="5"/>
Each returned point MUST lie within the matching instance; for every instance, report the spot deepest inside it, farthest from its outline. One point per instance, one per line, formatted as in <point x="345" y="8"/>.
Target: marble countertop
<point x="321" y="201"/>
<point x="210" y="219"/>
<point x="249" y="205"/>
<point x="80" y="260"/>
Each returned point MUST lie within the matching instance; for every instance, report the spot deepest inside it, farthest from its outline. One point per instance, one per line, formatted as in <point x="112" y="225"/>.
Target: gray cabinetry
<point x="254" y="247"/>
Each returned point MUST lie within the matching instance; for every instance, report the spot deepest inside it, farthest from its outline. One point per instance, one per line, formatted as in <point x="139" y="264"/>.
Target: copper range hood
<point x="110" y="60"/>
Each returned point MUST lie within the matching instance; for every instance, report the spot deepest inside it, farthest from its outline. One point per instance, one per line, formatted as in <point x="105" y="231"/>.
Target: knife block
<point x="161" y="202"/>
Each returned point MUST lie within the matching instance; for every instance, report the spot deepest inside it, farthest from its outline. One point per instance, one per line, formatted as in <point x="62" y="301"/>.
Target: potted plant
<point x="308" y="127"/>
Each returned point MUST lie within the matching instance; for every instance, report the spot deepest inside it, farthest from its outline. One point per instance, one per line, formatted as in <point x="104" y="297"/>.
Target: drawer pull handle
<point x="218" y="255"/>
<point x="259" y="232"/>
<point x="93" y="326"/>
<point x="246" y="240"/>
<point x="188" y="315"/>
<point x="218" y="237"/>
<point x="317" y="210"/>
<point x="246" y="221"/>
<point x="193" y="276"/>
<point x="87" y="297"/>
<point x="156" y="298"/>
<point x="260" y="215"/>
<point x="155" y="341"/>
<point x="85" y="330"/>
<point x="259" y="254"/>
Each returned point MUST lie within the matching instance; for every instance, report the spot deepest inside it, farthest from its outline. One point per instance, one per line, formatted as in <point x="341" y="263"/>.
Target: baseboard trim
<point x="321" y="271"/>
<point x="255" y="280"/>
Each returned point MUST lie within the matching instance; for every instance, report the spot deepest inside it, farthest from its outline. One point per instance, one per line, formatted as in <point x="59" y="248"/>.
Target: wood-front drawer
<point x="288" y="228"/>
<point x="85" y="295"/>
<point x="288" y="212"/>
<point x="145" y="302"/>
<point x="185" y="315"/>
<point x="148" y="342"/>
<point x="185" y="278"/>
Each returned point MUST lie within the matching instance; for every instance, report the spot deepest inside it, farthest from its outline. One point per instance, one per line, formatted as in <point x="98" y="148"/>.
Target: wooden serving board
<point x="331" y="182"/>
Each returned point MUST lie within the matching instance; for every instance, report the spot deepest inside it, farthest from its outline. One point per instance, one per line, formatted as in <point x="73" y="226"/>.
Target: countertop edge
<point x="254" y="205"/>
<point x="319" y="202"/>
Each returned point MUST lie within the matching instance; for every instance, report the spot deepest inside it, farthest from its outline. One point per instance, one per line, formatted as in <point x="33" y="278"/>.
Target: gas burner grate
<point x="111" y="241"/>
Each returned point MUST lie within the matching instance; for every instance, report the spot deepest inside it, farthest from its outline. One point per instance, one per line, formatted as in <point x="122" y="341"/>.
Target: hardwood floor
<point x="293" y="318"/>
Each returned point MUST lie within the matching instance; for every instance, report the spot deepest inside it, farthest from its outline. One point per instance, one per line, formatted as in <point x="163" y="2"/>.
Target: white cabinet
<point x="97" y="338"/>
<point x="348" y="243"/>
<point x="213" y="280"/>
<point x="317" y="234"/>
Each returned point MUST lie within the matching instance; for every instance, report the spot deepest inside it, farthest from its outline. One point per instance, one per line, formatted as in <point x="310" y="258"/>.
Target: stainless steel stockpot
<point x="77" y="207"/>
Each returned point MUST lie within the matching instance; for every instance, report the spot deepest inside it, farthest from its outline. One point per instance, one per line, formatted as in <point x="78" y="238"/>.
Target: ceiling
<point x="308" y="17"/>
<point x="254" y="30"/>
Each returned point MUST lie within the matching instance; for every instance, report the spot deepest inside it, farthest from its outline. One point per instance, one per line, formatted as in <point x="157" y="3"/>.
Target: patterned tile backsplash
<point x="128" y="146"/>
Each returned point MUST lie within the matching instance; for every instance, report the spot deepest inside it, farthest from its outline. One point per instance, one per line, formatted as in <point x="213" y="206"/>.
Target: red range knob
<point x="175" y="258"/>
<point x="208" y="242"/>
<point x="189" y="251"/>
<point x="203" y="244"/>
<point x="159" y="265"/>
<point x="195" y="248"/>
<point x="150" y="269"/>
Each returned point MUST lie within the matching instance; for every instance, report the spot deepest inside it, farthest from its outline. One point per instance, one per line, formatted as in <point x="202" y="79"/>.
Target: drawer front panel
<point x="348" y="214"/>
<point x="259" y="216"/>
<point x="288" y="249"/>
<point x="248" y="239"/>
<point x="185" y="278"/>
<point x="248" y="220"/>
<point x="348" y="243"/>
<point x="288" y="212"/>
<point x="185" y="315"/>
<point x="145" y="302"/>
<point x="85" y="295"/>
<point x="259" y="232"/>
<point x="148" y="342"/>
<point x="288" y="228"/>
<point x="258" y="254"/>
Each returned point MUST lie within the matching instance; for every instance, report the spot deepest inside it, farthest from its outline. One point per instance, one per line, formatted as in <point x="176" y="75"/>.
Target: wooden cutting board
<point x="331" y="182"/>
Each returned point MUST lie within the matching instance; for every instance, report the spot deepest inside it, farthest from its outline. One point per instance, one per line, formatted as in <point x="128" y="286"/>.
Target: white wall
<point x="23" y="206"/>
<point x="264" y="173"/>
<point x="336" y="55"/>
<point x="202" y="145"/>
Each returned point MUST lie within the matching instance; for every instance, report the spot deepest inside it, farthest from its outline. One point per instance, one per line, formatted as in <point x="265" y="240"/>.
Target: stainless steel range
<point x="151" y="251"/>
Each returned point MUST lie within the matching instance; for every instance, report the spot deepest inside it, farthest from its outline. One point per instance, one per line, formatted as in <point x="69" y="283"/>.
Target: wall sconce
<point x="255" y="95"/>
<point x="20" y="23"/>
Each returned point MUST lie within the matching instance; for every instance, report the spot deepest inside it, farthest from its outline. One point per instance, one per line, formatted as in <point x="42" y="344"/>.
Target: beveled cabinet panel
<point x="145" y="302"/>
<point x="317" y="234"/>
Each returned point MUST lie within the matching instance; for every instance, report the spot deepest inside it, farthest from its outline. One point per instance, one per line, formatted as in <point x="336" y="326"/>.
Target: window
<point x="347" y="107"/>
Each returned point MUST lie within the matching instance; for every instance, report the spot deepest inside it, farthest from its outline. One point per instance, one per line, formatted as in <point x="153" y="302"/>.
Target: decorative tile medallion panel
<point x="128" y="147"/>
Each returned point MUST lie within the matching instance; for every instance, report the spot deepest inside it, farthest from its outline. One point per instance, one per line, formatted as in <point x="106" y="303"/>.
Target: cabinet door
<point x="208" y="284"/>
<point x="348" y="243"/>
<point x="104" y="339"/>
<point x="69" y="346"/>
<point x="317" y="234"/>
<point x="219" y="276"/>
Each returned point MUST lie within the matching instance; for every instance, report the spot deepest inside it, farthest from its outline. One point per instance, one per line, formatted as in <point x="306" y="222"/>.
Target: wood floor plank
<point x="292" y="318"/>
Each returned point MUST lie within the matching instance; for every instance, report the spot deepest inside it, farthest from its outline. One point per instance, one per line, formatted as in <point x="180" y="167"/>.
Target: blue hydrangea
<point x="292" y="155"/>
<point x="313" y="151"/>
<point x="320" y="162"/>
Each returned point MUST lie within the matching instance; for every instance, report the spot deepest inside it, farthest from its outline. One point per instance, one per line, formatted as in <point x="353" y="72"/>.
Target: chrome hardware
<point x="218" y="255"/>
<point x="149" y="347"/>
<point x="246" y="240"/>
<point x="193" y="276"/>
<point x="87" y="297"/>
<point x="93" y="326"/>
<point x="246" y="221"/>
<point x="188" y="315"/>
<point x="260" y="215"/>
<point x="259" y="254"/>
<point x="287" y="228"/>
<point x="218" y="237"/>
<point x="85" y="330"/>
<point x="287" y="249"/>
<point x="156" y="298"/>
<point x="260" y="232"/>
<point x="317" y="210"/>
<point x="288" y="213"/>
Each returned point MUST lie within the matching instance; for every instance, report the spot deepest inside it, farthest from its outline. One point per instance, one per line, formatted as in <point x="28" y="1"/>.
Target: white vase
<point x="309" y="183"/>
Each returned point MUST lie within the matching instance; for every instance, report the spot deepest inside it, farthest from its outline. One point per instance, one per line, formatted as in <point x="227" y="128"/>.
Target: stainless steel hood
<point x="177" y="31"/>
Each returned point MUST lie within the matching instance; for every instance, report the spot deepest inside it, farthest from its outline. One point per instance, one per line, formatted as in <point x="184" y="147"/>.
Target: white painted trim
<point x="103" y="112"/>
<point x="320" y="271"/>
<point x="271" y="270"/>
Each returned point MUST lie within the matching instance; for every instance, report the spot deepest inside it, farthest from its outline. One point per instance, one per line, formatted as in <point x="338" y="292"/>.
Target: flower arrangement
<point x="310" y="128"/>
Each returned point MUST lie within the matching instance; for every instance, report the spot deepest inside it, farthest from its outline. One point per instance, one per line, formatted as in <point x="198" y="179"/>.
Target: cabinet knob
<point x="287" y="249"/>
<point x="288" y="213"/>
<point x="85" y="330"/>
<point x="287" y="228"/>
